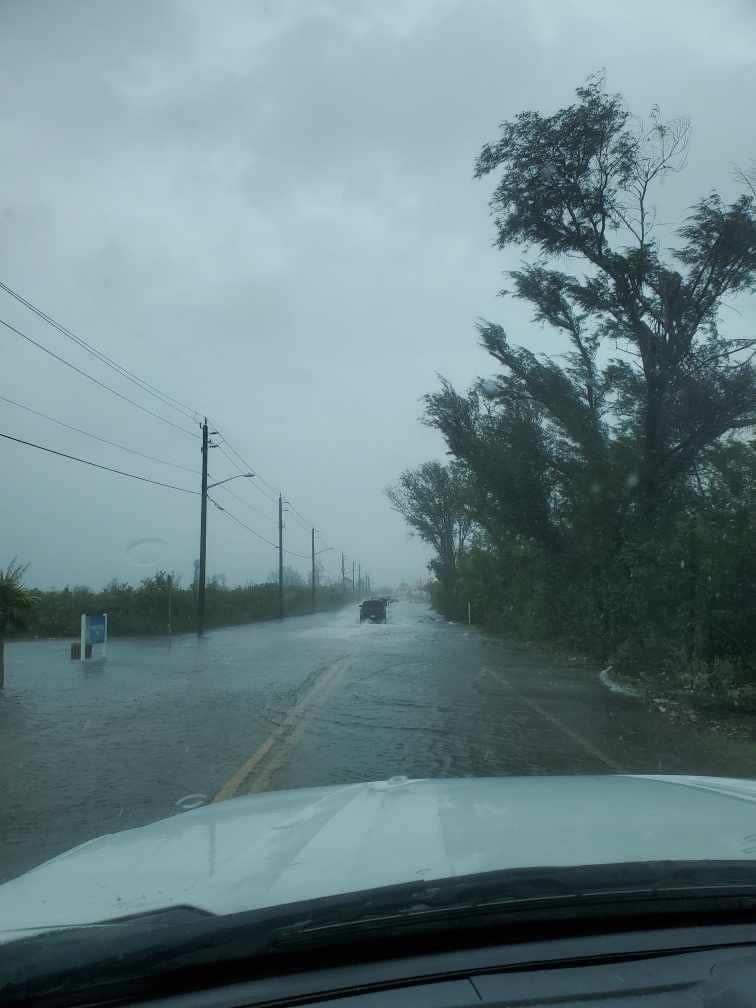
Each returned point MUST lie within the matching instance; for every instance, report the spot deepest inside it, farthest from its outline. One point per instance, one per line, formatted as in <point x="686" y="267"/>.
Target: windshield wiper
<point x="162" y="916"/>
<point x="182" y="948"/>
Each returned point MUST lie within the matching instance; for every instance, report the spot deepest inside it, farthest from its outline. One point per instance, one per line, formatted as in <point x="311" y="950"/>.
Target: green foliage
<point x="611" y="489"/>
<point x="291" y="577"/>
<point x="434" y="501"/>
<point x="16" y="601"/>
<point x="159" y="602"/>
<point x="578" y="184"/>
<point x="16" y="606"/>
<point x="724" y="680"/>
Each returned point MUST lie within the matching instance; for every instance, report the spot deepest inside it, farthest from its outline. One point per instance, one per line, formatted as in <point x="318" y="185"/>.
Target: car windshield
<point x="378" y="448"/>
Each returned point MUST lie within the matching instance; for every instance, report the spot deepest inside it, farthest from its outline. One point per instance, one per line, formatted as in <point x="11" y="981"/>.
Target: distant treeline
<point x="158" y="604"/>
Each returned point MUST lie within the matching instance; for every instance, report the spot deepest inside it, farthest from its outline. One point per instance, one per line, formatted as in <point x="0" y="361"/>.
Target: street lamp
<point x="229" y="478"/>
<point x="203" y="527"/>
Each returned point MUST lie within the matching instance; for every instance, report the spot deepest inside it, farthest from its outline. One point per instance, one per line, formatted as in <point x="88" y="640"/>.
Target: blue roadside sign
<point x="96" y="629"/>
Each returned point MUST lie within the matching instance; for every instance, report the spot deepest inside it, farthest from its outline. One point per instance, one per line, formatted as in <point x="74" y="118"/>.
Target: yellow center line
<point x="578" y="739"/>
<point x="285" y="734"/>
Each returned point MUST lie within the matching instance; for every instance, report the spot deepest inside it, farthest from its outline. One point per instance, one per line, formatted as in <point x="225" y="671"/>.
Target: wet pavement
<point x="92" y="749"/>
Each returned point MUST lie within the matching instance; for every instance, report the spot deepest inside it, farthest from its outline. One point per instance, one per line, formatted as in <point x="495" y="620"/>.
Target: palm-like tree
<point x="16" y="602"/>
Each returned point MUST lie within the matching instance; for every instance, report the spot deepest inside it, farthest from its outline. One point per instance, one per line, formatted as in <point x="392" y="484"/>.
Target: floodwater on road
<point x="100" y="747"/>
<point x="92" y="748"/>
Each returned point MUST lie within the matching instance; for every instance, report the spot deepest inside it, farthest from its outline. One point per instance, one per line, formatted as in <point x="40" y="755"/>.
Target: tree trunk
<point x="698" y="601"/>
<point x="2" y="660"/>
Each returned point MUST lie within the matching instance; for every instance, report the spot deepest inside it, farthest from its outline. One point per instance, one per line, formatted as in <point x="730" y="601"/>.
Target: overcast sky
<point x="268" y="211"/>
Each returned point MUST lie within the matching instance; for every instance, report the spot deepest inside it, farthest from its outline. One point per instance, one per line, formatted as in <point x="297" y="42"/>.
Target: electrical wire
<point x="96" y="437"/>
<point x="254" y="485"/>
<point x="243" y="502"/>
<point x="96" y="465"/>
<point x="298" y="514"/>
<point x="302" y="556"/>
<point x="243" y="461"/>
<point x="146" y="386"/>
<point x="240" y="458"/>
<point x="85" y="374"/>
<point x="248" y="528"/>
<point x="248" y="465"/>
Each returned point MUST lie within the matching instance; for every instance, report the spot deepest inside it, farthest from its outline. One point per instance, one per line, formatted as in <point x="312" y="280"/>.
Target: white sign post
<point x="94" y="630"/>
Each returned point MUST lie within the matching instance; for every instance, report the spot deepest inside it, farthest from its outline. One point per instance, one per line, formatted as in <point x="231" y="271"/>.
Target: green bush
<point x="146" y="609"/>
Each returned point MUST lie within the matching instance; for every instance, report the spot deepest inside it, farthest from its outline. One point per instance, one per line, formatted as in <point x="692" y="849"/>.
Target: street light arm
<point x="229" y="478"/>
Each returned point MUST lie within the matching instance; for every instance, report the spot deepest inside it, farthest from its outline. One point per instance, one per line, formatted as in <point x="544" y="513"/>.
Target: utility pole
<point x="352" y="577"/>
<point x="359" y="578"/>
<point x="203" y="538"/>
<point x="343" y="578"/>
<point x="201" y="568"/>
<point x="280" y="558"/>
<point x="313" y="570"/>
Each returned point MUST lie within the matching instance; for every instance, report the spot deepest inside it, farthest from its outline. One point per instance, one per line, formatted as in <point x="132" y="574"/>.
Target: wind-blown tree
<point x="434" y="500"/>
<point x="575" y="461"/>
<point x="578" y="184"/>
<point x="16" y="603"/>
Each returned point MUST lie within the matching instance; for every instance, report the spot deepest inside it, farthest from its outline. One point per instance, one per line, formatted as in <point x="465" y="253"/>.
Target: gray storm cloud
<point x="268" y="211"/>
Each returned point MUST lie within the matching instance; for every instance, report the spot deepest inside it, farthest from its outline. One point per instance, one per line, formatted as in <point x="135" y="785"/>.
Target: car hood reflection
<point x="279" y="847"/>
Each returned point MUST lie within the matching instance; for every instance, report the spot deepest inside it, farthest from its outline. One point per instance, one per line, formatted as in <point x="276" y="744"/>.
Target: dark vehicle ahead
<point x="374" y="610"/>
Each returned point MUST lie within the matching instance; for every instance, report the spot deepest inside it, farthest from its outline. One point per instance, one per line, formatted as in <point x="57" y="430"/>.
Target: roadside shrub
<point x="722" y="680"/>
<point x="158" y="603"/>
<point x="646" y="657"/>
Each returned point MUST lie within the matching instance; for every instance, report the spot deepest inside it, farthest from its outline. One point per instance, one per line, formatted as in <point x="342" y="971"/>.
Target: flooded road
<point x="87" y="750"/>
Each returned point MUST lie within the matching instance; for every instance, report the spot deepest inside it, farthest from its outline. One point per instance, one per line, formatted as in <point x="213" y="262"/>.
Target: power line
<point x="243" y="502"/>
<point x="247" y="464"/>
<point x="268" y="541"/>
<point x="298" y="514"/>
<point x="268" y="497"/>
<point x="274" y="493"/>
<point x="97" y="381"/>
<point x="244" y="462"/>
<point x="96" y="437"/>
<point x="146" y="386"/>
<point x="249" y="528"/>
<point x="293" y="532"/>
<point x="96" y="465"/>
<point x="302" y="556"/>
<point x="287" y="552"/>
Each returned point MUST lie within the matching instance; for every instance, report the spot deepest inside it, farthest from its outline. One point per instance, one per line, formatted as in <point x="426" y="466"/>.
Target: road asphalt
<point x="166" y="723"/>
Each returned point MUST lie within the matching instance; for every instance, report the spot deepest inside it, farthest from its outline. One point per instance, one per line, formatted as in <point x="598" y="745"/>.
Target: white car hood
<point x="279" y="847"/>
